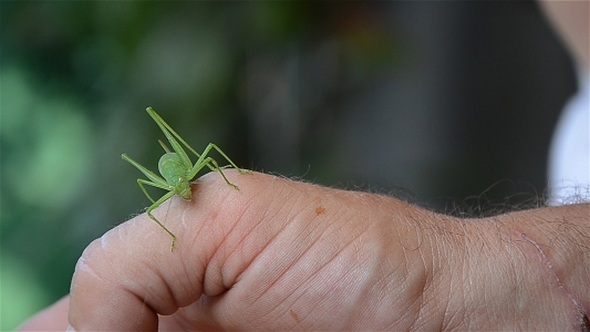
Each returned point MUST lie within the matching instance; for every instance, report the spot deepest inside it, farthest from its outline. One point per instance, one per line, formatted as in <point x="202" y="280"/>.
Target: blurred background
<point x="447" y="104"/>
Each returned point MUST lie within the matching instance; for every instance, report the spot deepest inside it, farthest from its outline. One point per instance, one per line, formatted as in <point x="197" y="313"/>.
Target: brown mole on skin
<point x="320" y="210"/>
<point x="294" y="315"/>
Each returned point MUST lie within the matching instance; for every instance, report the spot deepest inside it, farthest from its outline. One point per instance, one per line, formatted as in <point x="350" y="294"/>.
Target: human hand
<point x="280" y="254"/>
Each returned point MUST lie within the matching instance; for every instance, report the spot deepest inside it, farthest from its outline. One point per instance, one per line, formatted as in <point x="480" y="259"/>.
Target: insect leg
<point x="142" y="182"/>
<point x="157" y="180"/>
<point x="172" y="137"/>
<point x="166" y="128"/>
<point x="210" y="160"/>
<point x="226" y="157"/>
<point x="216" y="166"/>
<point x="155" y="205"/>
<point x="212" y="164"/>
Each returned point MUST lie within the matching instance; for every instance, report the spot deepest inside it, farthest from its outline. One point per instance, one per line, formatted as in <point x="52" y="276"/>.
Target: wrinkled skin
<point x="280" y="254"/>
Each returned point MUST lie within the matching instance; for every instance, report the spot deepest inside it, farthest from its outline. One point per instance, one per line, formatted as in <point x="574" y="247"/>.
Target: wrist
<point x="526" y="268"/>
<point x="558" y="239"/>
<point x="420" y="247"/>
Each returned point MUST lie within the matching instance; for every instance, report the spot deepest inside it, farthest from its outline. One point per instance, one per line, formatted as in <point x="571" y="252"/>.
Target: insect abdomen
<point x="175" y="173"/>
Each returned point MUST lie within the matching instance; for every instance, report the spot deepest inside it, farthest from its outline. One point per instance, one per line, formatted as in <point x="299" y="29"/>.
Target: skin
<point x="281" y="254"/>
<point x="571" y="20"/>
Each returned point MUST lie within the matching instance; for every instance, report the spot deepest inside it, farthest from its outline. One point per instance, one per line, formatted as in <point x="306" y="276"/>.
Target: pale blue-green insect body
<point x="176" y="174"/>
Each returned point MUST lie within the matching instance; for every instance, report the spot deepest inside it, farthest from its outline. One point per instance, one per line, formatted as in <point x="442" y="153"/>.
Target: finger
<point x="127" y="277"/>
<point x="52" y="318"/>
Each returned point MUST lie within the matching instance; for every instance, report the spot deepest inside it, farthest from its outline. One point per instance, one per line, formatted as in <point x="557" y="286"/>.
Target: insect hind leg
<point x="215" y="166"/>
<point x="212" y="164"/>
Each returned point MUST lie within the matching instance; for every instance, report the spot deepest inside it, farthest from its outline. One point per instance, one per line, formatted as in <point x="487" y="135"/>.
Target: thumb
<point x="128" y="277"/>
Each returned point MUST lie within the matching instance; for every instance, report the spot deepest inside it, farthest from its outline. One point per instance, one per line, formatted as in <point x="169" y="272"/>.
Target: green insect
<point x="177" y="169"/>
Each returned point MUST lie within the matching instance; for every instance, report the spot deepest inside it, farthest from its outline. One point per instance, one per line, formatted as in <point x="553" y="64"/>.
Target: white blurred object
<point x="569" y="158"/>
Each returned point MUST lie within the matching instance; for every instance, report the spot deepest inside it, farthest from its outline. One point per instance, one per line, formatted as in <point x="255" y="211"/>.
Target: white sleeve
<point x="569" y="156"/>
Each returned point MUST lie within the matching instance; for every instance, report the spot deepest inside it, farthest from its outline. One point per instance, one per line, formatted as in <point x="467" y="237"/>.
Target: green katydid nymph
<point x="177" y="169"/>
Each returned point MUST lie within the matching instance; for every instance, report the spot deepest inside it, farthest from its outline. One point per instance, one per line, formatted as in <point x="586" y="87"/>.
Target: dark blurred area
<point x="448" y="104"/>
